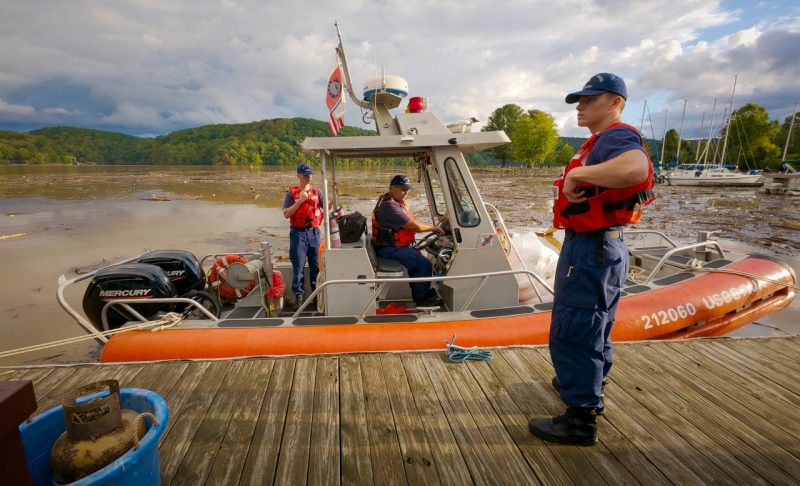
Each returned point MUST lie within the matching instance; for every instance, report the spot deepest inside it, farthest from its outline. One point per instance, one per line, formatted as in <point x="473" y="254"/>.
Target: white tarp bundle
<point x="538" y="258"/>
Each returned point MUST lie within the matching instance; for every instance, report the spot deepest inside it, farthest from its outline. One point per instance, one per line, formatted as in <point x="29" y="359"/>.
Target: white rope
<point x="169" y="319"/>
<point x="637" y="275"/>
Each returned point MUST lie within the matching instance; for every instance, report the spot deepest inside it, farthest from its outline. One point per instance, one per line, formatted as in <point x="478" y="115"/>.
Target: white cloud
<point x="158" y="66"/>
<point x="15" y="109"/>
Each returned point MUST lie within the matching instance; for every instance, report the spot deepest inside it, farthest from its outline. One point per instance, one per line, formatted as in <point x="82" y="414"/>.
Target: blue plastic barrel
<point x="135" y="467"/>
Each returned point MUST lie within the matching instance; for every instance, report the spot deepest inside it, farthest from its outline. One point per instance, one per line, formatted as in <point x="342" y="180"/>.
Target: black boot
<point x="601" y="410"/>
<point x="298" y="301"/>
<point x="576" y="426"/>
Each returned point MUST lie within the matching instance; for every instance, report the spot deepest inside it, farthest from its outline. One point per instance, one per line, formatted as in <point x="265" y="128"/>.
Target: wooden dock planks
<point x="718" y="410"/>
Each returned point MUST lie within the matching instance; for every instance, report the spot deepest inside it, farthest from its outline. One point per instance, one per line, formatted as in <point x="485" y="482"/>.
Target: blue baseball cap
<point x="402" y="181"/>
<point x="304" y="169"/>
<point x="600" y="83"/>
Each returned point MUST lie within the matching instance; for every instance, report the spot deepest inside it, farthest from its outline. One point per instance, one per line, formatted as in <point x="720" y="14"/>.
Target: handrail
<point x="671" y="252"/>
<point x="511" y="244"/>
<point x="214" y="256"/>
<point x="63" y="283"/>
<point x="645" y="231"/>
<point x="166" y="300"/>
<point x="380" y="281"/>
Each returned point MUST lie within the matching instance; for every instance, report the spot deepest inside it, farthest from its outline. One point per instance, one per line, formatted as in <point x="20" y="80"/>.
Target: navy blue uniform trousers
<point x="304" y="244"/>
<point x="587" y="291"/>
<point x="416" y="264"/>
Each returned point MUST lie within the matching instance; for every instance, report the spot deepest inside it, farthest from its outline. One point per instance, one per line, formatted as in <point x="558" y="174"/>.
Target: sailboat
<point x="713" y="174"/>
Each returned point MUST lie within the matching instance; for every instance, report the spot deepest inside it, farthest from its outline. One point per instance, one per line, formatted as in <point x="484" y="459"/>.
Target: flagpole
<point x="342" y="61"/>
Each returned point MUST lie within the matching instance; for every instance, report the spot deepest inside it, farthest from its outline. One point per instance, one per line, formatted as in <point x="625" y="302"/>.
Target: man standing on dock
<point x="603" y="188"/>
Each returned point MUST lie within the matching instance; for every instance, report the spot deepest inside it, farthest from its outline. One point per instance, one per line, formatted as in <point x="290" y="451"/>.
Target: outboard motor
<point x="185" y="272"/>
<point x="181" y="267"/>
<point x="141" y="281"/>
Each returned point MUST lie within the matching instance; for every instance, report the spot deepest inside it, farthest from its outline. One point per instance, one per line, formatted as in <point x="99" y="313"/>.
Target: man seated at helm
<point x="393" y="232"/>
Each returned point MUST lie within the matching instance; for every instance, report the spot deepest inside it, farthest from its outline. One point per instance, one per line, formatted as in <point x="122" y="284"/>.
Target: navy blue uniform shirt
<point x="612" y="143"/>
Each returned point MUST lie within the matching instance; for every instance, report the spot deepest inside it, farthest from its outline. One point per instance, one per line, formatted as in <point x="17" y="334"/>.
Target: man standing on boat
<point x="303" y="207"/>
<point x="393" y="232"/>
<point x="603" y="188"/>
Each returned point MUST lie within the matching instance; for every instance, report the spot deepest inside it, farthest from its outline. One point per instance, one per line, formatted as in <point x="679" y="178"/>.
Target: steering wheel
<point x="426" y="241"/>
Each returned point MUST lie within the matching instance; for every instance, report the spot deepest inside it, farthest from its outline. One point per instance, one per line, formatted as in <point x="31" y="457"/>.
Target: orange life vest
<point x="604" y="207"/>
<point x="387" y="236"/>
<point x="309" y="214"/>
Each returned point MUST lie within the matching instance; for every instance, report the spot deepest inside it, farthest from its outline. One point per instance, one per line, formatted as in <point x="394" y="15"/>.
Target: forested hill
<point x="267" y="142"/>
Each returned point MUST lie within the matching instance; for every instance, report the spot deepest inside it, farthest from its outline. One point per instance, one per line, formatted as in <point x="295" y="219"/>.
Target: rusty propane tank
<point x="97" y="432"/>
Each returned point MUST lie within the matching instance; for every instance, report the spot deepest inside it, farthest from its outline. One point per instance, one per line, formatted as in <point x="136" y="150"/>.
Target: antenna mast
<point x="342" y="60"/>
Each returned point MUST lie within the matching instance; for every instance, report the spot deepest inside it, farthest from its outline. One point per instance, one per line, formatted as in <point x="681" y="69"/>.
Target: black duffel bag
<point x="351" y="227"/>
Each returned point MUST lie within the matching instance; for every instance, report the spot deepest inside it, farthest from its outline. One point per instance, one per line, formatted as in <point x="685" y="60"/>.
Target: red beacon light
<point x="417" y="104"/>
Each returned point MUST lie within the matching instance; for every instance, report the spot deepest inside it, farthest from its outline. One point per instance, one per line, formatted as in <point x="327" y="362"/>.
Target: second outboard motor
<point x="181" y="267"/>
<point x="184" y="271"/>
<point x="140" y="281"/>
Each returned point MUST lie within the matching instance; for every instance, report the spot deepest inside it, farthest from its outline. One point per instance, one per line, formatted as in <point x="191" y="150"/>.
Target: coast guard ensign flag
<point x="335" y="100"/>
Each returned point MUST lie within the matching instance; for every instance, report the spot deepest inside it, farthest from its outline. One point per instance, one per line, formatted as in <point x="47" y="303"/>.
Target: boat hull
<point x="705" y="305"/>
<point x="743" y="181"/>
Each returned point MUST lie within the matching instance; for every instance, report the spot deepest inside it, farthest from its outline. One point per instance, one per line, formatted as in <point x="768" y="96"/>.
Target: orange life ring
<point x="225" y="291"/>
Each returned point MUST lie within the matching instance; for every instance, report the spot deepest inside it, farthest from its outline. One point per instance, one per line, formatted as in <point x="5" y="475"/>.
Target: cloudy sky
<point x="148" y="67"/>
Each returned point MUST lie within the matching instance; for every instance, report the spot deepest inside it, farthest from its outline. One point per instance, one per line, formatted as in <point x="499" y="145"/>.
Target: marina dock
<point x="678" y="412"/>
<point x="788" y="184"/>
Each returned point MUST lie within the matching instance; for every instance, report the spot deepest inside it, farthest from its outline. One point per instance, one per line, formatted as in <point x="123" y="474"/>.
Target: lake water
<point x="58" y="220"/>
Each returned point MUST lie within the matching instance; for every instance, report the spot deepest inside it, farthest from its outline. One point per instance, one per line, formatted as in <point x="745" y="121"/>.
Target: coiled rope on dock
<point x="169" y="319"/>
<point x="457" y="354"/>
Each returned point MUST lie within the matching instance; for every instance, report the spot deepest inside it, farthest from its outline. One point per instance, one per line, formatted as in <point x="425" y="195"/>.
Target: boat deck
<point x="701" y="411"/>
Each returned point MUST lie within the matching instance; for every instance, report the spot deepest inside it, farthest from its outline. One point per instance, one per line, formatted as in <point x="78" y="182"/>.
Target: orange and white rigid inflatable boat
<point x="674" y="290"/>
<point x="682" y="304"/>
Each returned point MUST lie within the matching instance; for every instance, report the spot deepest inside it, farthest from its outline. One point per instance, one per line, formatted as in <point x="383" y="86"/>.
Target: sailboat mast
<point x="644" y="108"/>
<point x="680" y="132"/>
<point x="699" y="139"/>
<point x="710" y="133"/>
<point x="730" y="115"/>
<point x="664" y="138"/>
<point x="789" y="135"/>
<point x="716" y="147"/>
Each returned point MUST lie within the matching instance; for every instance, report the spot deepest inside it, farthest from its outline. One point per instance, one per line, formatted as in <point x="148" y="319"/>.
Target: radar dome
<point x="386" y="84"/>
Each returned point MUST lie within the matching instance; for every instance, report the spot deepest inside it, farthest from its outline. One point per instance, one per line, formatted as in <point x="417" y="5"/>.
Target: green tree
<point x="503" y="118"/>
<point x="793" y="147"/>
<point x="564" y="154"/>
<point x="751" y="135"/>
<point x="535" y="138"/>
<point x="670" y="145"/>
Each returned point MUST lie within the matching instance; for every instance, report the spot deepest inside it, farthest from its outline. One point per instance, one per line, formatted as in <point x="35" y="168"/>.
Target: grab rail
<point x="165" y="300"/>
<point x="654" y="232"/>
<point x="64" y="282"/>
<point x="382" y="281"/>
<point x="214" y="257"/>
<point x="675" y="250"/>
<point x="511" y="244"/>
